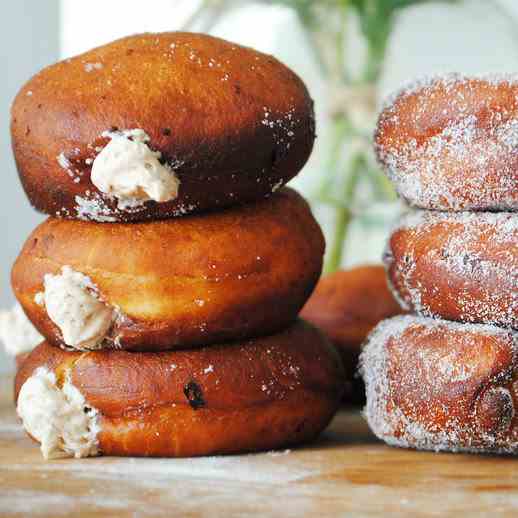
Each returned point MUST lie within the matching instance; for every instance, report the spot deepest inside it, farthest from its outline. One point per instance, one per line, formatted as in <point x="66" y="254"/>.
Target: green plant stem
<point x="376" y="51"/>
<point x="338" y="133"/>
<point x="344" y="215"/>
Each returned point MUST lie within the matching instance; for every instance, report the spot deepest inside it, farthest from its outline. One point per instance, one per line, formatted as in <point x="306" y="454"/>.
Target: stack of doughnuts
<point x="168" y="278"/>
<point x="445" y="377"/>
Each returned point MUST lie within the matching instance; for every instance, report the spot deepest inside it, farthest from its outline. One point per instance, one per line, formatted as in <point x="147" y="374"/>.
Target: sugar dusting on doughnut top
<point x="473" y="254"/>
<point x="400" y="376"/>
<point x="451" y="142"/>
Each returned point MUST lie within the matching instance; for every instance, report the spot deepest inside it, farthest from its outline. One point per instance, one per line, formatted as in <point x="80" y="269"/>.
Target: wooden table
<point x="346" y="473"/>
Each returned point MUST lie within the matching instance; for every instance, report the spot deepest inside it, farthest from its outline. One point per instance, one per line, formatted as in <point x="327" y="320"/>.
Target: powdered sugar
<point x="94" y="207"/>
<point x="90" y="67"/>
<point x="450" y="384"/>
<point x="460" y="266"/>
<point x="445" y="148"/>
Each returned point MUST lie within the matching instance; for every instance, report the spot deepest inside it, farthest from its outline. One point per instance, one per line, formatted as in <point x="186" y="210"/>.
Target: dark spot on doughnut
<point x="34" y="242"/>
<point x="194" y="395"/>
<point x="407" y="259"/>
<point x="237" y="88"/>
<point x="114" y="128"/>
<point x="75" y="114"/>
<point x="166" y="132"/>
<point x="40" y="106"/>
<point x="129" y="52"/>
<point x="27" y="131"/>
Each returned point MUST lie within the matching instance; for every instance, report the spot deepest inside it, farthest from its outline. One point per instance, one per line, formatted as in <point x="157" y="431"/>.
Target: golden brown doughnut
<point x="255" y="395"/>
<point x="20" y="358"/>
<point x="457" y="266"/>
<point x="234" y="124"/>
<point x="450" y="143"/>
<point x="187" y="281"/>
<point x="346" y="305"/>
<point x="439" y="385"/>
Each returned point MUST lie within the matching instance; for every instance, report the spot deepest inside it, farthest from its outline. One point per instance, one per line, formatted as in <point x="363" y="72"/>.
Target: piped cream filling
<point x="129" y="170"/>
<point x="58" y="418"/>
<point x="72" y="302"/>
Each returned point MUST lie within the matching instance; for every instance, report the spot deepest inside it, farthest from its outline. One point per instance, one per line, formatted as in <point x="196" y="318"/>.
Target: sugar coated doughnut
<point x="457" y="266"/>
<point x="451" y="142"/>
<point x="443" y="386"/>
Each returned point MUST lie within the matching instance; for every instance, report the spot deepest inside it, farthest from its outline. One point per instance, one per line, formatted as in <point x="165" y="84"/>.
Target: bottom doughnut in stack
<point x="252" y="395"/>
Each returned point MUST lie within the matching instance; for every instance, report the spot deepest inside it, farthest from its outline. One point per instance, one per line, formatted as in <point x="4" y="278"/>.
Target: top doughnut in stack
<point x="445" y="379"/>
<point x="115" y="145"/>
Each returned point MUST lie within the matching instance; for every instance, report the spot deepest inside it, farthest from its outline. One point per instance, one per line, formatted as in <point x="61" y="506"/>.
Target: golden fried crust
<point x="449" y="143"/>
<point x="461" y="266"/>
<point x="438" y="385"/>
<point x="234" y="123"/>
<point x="188" y="281"/>
<point x="346" y="305"/>
<point x="20" y="358"/>
<point x="260" y="394"/>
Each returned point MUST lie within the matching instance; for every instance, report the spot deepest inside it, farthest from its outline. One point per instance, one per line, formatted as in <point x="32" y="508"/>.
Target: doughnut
<point x="442" y="386"/>
<point x="450" y="143"/>
<point x="457" y="266"/>
<point x="20" y="358"/>
<point x="256" y="395"/>
<point x="168" y="284"/>
<point x="346" y="305"/>
<point x="153" y="126"/>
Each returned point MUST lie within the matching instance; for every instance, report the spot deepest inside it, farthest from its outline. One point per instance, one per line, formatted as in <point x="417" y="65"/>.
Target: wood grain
<point x="346" y="473"/>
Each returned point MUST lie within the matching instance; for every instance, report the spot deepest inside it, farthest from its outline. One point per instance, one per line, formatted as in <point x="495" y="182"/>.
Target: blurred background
<point x="350" y="53"/>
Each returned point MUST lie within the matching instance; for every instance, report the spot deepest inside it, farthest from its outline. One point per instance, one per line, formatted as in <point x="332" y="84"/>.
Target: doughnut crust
<point x="234" y="124"/>
<point x="260" y="394"/>
<point x="443" y="386"/>
<point x="20" y="358"/>
<point x="450" y="143"/>
<point x="183" y="282"/>
<point x="457" y="266"/>
<point x="346" y="305"/>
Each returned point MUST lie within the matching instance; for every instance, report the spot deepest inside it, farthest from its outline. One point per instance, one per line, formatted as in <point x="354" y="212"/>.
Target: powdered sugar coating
<point x="93" y="207"/>
<point x="451" y="142"/>
<point x="459" y="266"/>
<point x="425" y="392"/>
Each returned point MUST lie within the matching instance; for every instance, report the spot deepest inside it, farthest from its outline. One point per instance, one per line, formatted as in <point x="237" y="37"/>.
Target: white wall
<point x="29" y="40"/>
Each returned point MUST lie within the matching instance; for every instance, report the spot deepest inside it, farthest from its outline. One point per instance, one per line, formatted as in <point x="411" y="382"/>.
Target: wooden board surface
<point x="346" y="473"/>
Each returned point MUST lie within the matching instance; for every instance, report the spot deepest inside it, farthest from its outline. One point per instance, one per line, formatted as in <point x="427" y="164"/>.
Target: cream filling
<point x="129" y="170"/>
<point x="72" y="303"/>
<point x="58" y="418"/>
<point x="16" y="331"/>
